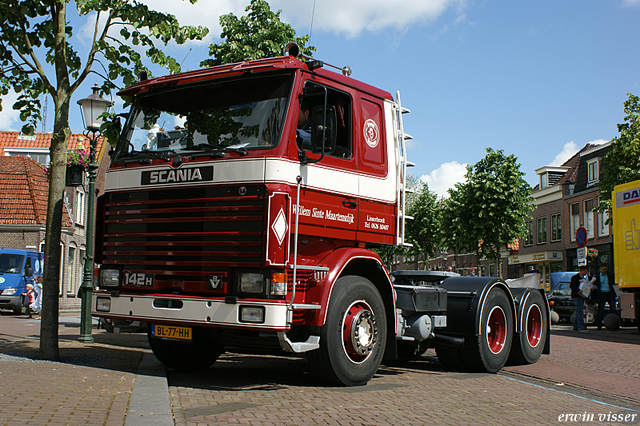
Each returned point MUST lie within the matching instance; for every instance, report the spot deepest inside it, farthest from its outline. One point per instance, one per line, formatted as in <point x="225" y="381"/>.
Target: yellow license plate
<point x="171" y="332"/>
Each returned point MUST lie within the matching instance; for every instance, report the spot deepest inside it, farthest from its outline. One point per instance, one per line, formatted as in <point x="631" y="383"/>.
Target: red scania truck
<point x="240" y="209"/>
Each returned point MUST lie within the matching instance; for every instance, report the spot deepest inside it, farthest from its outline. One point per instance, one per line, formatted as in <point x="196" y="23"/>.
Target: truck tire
<point x="354" y="335"/>
<point x="489" y="351"/>
<point x="528" y="345"/>
<point x="451" y="358"/>
<point x="198" y="354"/>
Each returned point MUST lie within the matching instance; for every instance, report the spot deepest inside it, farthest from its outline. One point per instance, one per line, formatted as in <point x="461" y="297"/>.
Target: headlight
<point x="251" y="283"/>
<point x="252" y="314"/>
<point x="9" y="291"/>
<point x="103" y="304"/>
<point x="109" y="278"/>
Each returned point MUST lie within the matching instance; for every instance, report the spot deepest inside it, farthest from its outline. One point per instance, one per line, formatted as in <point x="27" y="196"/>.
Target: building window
<point x="603" y="227"/>
<point x="542" y="230"/>
<point x="528" y="240"/>
<point x="575" y="219"/>
<point x="544" y="181"/>
<point x="71" y="270"/>
<point x="61" y="268"/>
<point x="556" y="227"/>
<point x="588" y="217"/>
<point x="593" y="172"/>
<point x="80" y="203"/>
<point x="41" y="155"/>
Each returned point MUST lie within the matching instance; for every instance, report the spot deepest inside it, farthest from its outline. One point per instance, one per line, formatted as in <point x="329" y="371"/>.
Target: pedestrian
<point x="605" y="292"/>
<point x="31" y="298"/>
<point x="37" y="305"/>
<point x="578" y="296"/>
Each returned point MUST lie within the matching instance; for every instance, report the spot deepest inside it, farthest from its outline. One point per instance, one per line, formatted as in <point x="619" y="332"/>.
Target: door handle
<point x="350" y="204"/>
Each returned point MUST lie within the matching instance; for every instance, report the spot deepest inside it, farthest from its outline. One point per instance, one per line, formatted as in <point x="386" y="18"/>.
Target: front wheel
<point x="488" y="351"/>
<point x="354" y="335"/>
<point x="198" y="354"/>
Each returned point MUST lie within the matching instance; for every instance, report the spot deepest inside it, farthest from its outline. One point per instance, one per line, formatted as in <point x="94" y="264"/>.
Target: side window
<point x="313" y="103"/>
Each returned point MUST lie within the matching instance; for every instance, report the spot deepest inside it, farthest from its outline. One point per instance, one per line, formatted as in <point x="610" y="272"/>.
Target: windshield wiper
<point x="219" y="149"/>
<point x="144" y="156"/>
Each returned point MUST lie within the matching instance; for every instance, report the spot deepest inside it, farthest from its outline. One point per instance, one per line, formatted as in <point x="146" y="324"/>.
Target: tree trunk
<point x="58" y="152"/>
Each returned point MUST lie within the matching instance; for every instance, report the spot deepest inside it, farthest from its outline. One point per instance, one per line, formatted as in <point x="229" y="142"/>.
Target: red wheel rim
<point x="359" y="331"/>
<point x="534" y="326"/>
<point x="496" y="330"/>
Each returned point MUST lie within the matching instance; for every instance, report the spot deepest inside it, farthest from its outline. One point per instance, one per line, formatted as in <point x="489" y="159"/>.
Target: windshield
<point x="11" y="263"/>
<point x="223" y="115"/>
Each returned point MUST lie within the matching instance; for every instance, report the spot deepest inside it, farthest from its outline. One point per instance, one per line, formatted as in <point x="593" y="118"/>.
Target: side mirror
<point x="320" y="127"/>
<point x="28" y="271"/>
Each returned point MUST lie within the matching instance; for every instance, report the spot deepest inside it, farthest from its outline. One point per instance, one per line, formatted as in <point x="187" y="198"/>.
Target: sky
<point x="537" y="79"/>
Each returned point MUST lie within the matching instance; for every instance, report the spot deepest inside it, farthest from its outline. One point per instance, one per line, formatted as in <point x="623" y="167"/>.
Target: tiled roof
<point x="24" y="190"/>
<point x="10" y="139"/>
<point x="573" y="162"/>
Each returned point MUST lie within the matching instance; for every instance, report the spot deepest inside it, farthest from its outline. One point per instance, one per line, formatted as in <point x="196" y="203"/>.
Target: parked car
<point x="17" y="268"/>
<point x="560" y="300"/>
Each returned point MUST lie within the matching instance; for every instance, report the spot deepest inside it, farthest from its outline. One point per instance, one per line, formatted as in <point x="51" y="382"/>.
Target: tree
<point x="622" y="161"/>
<point x="490" y="209"/>
<point x="36" y="57"/>
<point x="424" y="230"/>
<point x="259" y="34"/>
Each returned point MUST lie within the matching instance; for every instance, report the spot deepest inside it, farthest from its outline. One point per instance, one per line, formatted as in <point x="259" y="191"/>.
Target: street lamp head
<point x="93" y="106"/>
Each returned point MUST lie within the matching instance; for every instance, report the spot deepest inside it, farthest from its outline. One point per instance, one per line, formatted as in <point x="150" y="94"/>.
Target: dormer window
<point x="550" y="175"/>
<point x="593" y="171"/>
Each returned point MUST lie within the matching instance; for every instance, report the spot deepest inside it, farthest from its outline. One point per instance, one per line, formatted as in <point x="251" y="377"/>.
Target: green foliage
<point x="259" y="34"/>
<point x="424" y="230"/>
<point x="36" y="35"/>
<point x="622" y="161"/>
<point x="490" y="209"/>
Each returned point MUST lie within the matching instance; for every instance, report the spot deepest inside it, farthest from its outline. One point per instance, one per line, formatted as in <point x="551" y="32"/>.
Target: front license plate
<point x="171" y="332"/>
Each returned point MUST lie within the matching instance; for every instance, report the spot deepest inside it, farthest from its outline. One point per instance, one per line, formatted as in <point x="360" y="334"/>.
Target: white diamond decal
<point x="280" y="226"/>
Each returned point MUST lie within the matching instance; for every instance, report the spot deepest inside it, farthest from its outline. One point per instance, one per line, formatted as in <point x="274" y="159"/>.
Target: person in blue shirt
<point x="605" y="292"/>
<point x="303" y="131"/>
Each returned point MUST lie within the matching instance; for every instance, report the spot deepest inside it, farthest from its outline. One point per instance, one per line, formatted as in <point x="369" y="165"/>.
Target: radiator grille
<point x="184" y="236"/>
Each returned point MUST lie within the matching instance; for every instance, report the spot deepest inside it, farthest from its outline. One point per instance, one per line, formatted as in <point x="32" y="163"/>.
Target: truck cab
<point x="17" y="269"/>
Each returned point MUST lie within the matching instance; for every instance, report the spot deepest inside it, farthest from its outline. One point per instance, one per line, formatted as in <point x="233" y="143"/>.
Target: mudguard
<point x="464" y="303"/>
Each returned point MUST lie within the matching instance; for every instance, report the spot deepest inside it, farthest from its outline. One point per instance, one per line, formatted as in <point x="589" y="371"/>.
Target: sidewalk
<point x="91" y="384"/>
<point x="596" y="360"/>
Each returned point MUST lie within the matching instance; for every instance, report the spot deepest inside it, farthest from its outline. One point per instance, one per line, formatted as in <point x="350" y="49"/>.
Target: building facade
<point x="24" y="189"/>
<point x="564" y="200"/>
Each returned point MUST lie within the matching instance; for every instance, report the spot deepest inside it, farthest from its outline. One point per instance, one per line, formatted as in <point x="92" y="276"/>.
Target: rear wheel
<point x="488" y="352"/>
<point x="529" y="343"/>
<point x="354" y="335"/>
<point x="198" y="354"/>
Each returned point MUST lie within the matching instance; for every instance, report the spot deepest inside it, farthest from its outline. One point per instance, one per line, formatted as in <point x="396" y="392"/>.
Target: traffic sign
<point x="582" y="256"/>
<point x="581" y="236"/>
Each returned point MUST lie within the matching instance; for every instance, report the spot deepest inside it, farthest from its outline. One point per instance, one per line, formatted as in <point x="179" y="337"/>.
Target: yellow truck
<point x="626" y="248"/>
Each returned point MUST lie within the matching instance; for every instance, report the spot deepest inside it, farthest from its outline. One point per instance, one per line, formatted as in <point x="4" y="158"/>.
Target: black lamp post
<point x="92" y="108"/>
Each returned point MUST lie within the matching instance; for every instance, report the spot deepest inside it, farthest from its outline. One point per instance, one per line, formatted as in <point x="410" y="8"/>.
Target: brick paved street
<point x="593" y="373"/>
